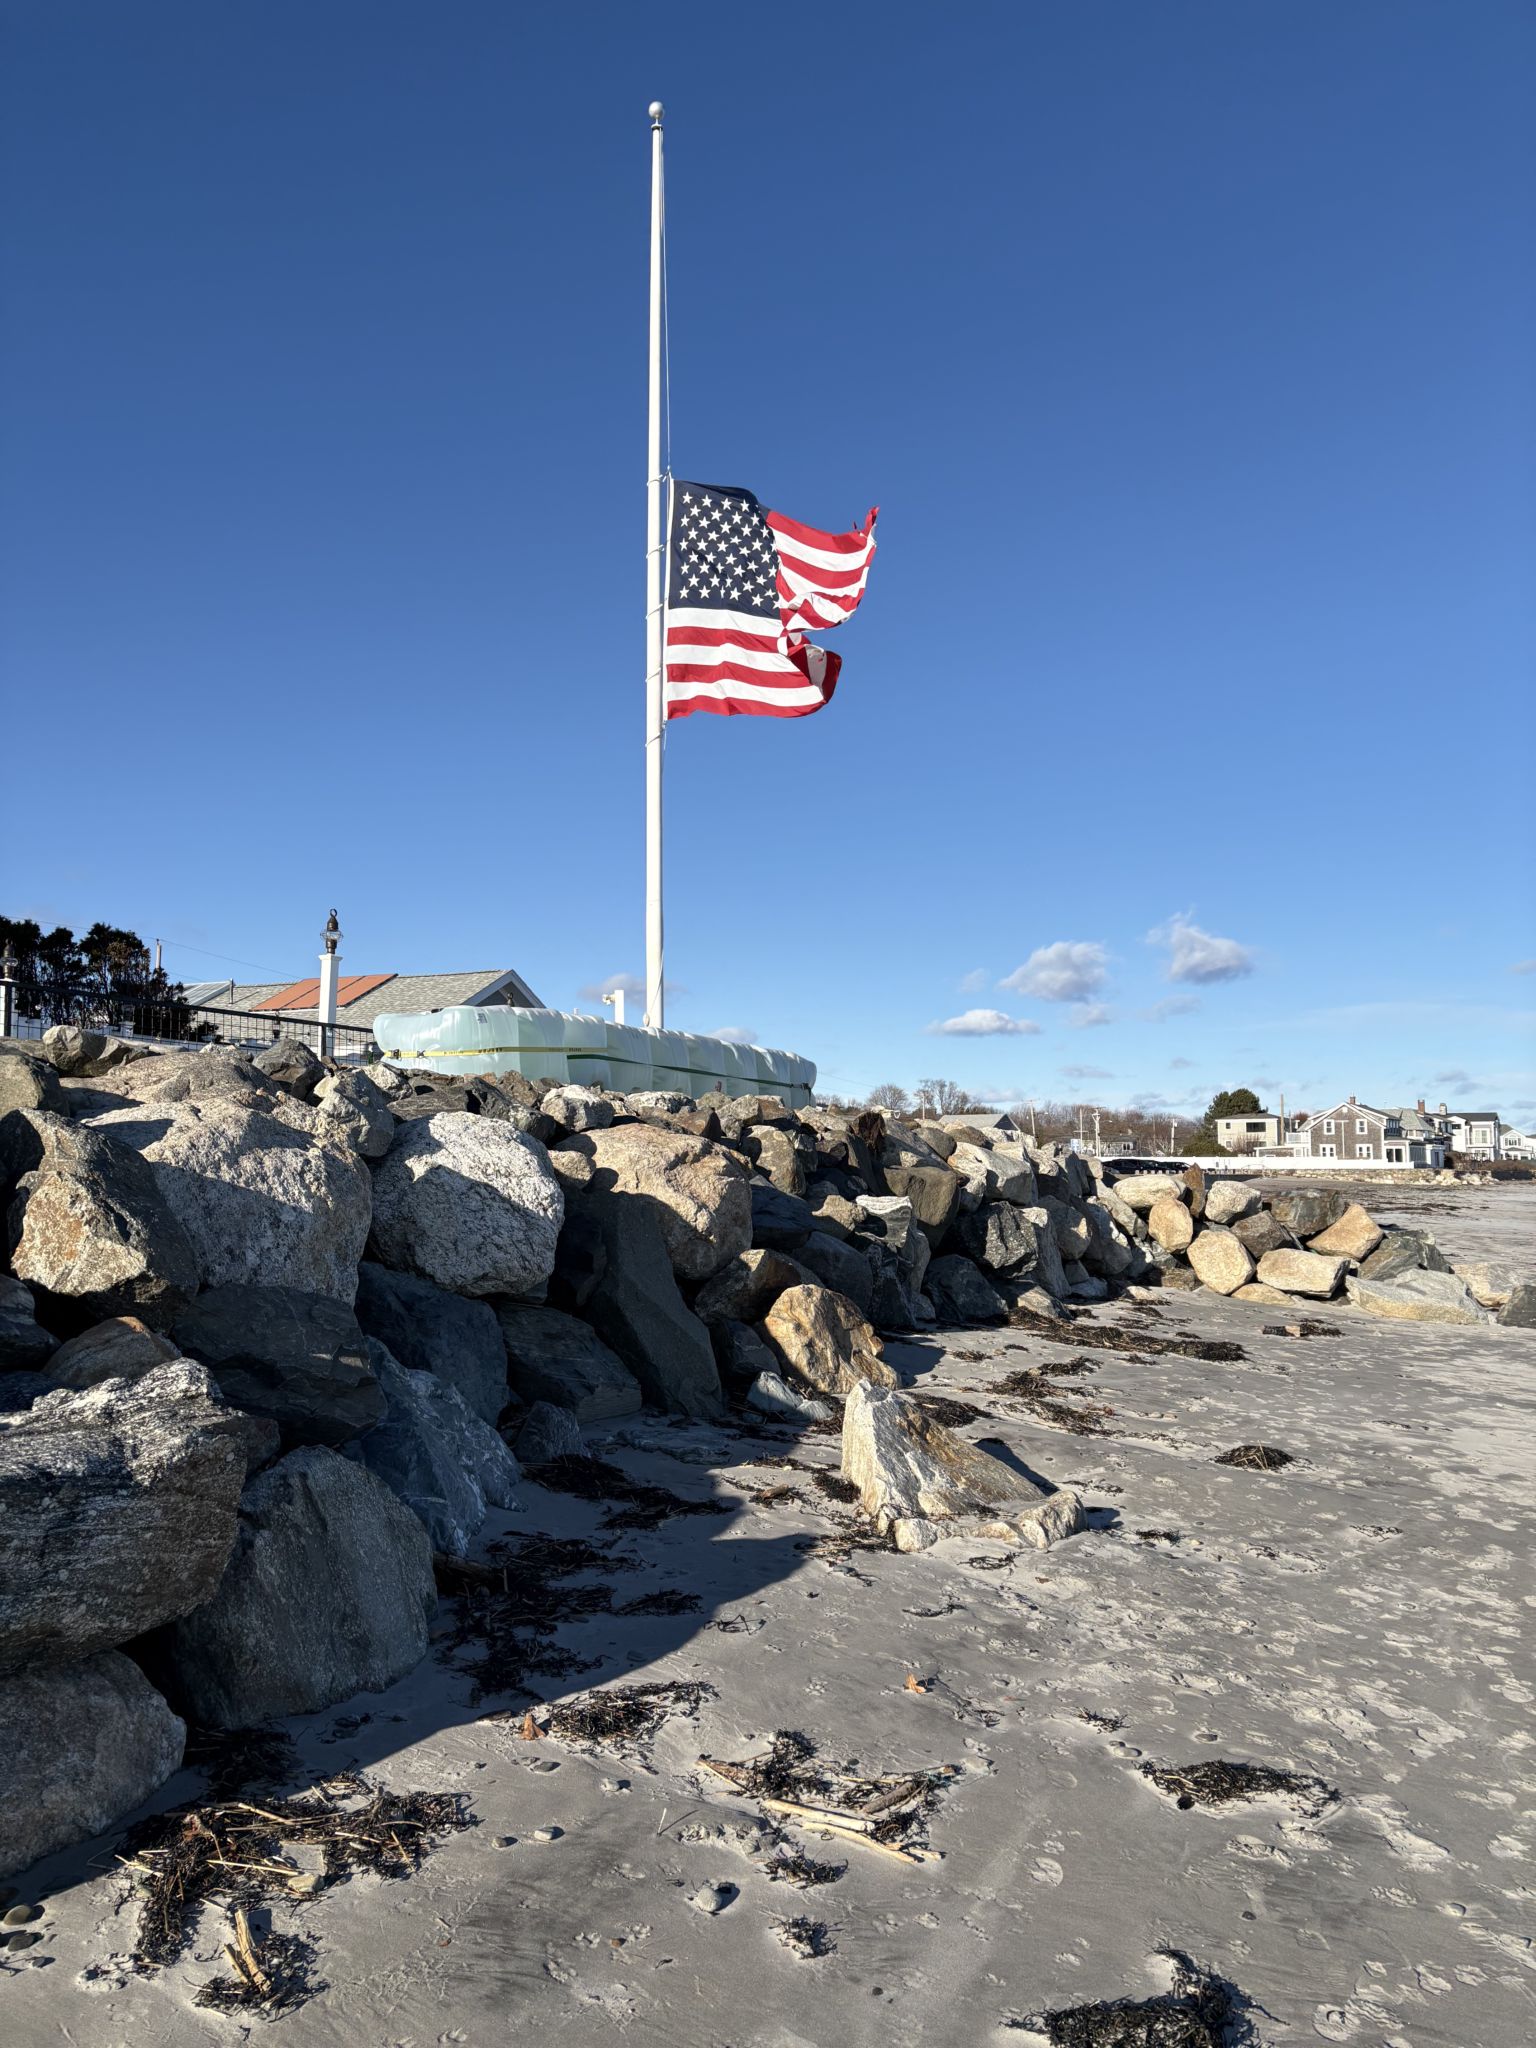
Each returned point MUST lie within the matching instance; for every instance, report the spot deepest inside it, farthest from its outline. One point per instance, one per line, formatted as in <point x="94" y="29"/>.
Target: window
<point x="1359" y="1131"/>
<point x="1253" y="1127"/>
<point x="1326" y="1152"/>
<point x="1394" y="1155"/>
<point x="1328" y="1127"/>
<point x="1363" y="1152"/>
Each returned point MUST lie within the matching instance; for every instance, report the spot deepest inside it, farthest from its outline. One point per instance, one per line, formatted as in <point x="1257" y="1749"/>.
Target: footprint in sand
<point x="1047" y="1870"/>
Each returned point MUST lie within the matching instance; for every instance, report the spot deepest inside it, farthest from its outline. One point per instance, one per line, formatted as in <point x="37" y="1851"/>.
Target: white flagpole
<point x="655" y="713"/>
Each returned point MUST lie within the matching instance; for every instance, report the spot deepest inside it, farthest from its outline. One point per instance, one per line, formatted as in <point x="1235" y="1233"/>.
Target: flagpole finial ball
<point x="656" y="110"/>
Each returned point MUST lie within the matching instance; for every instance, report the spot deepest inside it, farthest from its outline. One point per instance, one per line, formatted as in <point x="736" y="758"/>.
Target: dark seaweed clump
<point x="1256" y="1457"/>
<point x="807" y="1939"/>
<point x="625" y="1713"/>
<point x="1201" y="2011"/>
<point x="634" y="1504"/>
<point x="1105" y="1337"/>
<point x="1217" y="1783"/>
<point x="239" y="1854"/>
<point x="1034" y="1386"/>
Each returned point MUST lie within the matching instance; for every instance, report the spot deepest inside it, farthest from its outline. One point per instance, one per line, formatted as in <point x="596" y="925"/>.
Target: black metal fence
<point x="35" y="1006"/>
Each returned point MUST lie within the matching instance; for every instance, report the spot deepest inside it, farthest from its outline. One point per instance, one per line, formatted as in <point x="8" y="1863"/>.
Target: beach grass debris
<point x="951" y="1413"/>
<point x="807" y="1939"/>
<point x="834" y="1486"/>
<point x="273" y="1972"/>
<point x="668" y="1600"/>
<point x="1307" y="1327"/>
<point x="793" y="1866"/>
<point x="507" y="1610"/>
<point x="1217" y="1783"/>
<point x="630" y="1503"/>
<point x="1106" y="1337"/>
<point x="882" y="1810"/>
<point x="1201" y="2010"/>
<point x="1035" y="1386"/>
<point x="615" y="1715"/>
<point x="239" y="1854"/>
<point x="1256" y="1457"/>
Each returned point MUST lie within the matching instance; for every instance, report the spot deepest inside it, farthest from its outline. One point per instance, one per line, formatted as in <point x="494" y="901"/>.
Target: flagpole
<point x="655" y="717"/>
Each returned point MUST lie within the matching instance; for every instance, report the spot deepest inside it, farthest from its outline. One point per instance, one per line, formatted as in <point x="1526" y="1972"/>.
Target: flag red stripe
<point x="835" y="543"/>
<point x="732" y="707"/>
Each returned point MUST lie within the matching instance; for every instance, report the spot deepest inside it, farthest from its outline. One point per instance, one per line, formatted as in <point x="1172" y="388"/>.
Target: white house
<point x="1384" y="1137"/>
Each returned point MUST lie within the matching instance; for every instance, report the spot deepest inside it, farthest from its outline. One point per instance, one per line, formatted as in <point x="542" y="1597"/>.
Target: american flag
<point x="741" y="585"/>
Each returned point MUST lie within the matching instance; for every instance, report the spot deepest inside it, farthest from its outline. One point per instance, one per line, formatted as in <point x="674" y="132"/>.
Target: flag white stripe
<point x="733" y="686"/>
<point x="699" y="656"/>
<point x="708" y="620"/>
<point x="824" y="558"/>
<point x="804" y="586"/>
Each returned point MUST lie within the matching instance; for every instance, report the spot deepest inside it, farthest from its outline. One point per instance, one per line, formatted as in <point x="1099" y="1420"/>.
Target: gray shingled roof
<point x="406" y="992"/>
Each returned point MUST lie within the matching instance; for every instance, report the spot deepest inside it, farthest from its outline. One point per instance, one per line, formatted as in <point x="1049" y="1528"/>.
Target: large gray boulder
<point x="777" y="1158"/>
<point x="1307" y="1273"/>
<point x="780" y="1222"/>
<point x="999" y="1238"/>
<point x="1354" y="1236"/>
<point x="1404" y="1251"/>
<point x="1519" y="1312"/>
<point x="220" y="1071"/>
<point x="934" y="1193"/>
<point x="122" y="1348"/>
<point x="842" y="1267"/>
<point x="1307" y="1212"/>
<point x="1220" y="1259"/>
<point x="299" y="1359"/>
<point x="700" y="1192"/>
<point x="614" y="1267"/>
<point x="821" y="1341"/>
<point x="328" y="1593"/>
<point x="435" y="1455"/>
<point x="429" y="1330"/>
<point x="1227" y="1200"/>
<point x="1140" y="1190"/>
<point x="83" y="1746"/>
<point x="117" y="1512"/>
<point x="24" y="1343"/>
<point x="264" y="1204"/>
<point x="29" y="1083"/>
<point x="894" y="1222"/>
<point x="359" y="1108"/>
<point x="294" y="1066"/>
<point x="555" y="1358"/>
<point x="962" y="1293"/>
<point x="74" y="1049"/>
<point x="918" y="1481"/>
<point x="1417" y="1297"/>
<point x="88" y="1225"/>
<point x="747" y="1288"/>
<point x="1262" y="1231"/>
<point x="469" y="1203"/>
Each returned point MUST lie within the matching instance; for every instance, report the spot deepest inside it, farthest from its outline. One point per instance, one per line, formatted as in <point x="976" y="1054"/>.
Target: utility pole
<point x="655" y="710"/>
<point x="1096" y="1148"/>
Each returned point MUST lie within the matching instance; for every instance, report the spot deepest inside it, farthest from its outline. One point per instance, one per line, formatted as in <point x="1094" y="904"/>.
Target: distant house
<point x="1515" y="1144"/>
<point x="1472" y="1132"/>
<point x="1354" y="1130"/>
<point x="1248" y="1133"/>
<point x="360" y="998"/>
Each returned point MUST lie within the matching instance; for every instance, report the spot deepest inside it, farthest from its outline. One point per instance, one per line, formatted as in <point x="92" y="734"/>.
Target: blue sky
<point x="1184" y="738"/>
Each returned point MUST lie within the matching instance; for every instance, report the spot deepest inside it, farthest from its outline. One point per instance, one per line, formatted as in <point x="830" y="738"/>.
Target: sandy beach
<point x="1359" y="1617"/>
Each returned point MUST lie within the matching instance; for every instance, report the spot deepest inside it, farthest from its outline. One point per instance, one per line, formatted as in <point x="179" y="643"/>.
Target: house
<point x="1248" y="1133"/>
<point x="360" y="998"/>
<point x="1472" y="1132"/>
<point x="1354" y="1130"/>
<point x="1515" y="1144"/>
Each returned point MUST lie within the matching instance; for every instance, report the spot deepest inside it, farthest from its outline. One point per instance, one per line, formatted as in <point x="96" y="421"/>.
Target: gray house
<point x="1381" y="1137"/>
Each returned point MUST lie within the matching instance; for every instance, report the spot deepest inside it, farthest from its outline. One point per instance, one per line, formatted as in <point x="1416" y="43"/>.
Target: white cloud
<point x="1068" y="972"/>
<point x="1199" y="956"/>
<point x="1087" y="1015"/>
<point x="1087" y="1073"/>
<point x="973" y="983"/>
<point x="1171" y="1006"/>
<point x="1524" y="967"/>
<point x="984" y="1024"/>
<point x="1181" y="1063"/>
<point x="736" y="1034"/>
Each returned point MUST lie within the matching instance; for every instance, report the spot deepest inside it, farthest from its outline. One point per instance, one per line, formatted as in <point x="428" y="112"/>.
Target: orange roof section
<point x="303" y="995"/>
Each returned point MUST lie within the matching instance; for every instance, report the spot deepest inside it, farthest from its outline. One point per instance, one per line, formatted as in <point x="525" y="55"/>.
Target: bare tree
<point x="892" y="1098"/>
<point x="937" y="1097"/>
